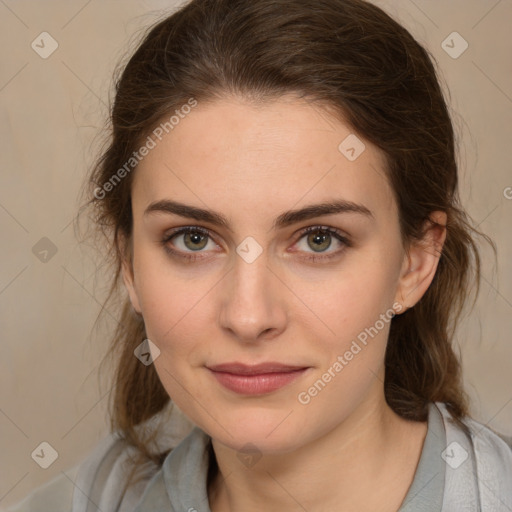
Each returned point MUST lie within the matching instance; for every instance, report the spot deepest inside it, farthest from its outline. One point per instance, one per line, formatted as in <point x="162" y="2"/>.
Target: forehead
<point x="234" y="155"/>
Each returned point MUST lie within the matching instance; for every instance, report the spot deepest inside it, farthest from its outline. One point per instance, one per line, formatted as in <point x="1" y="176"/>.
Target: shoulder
<point x="478" y="463"/>
<point x="493" y="450"/>
<point x="56" y="495"/>
<point x="100" y="476"/>
<point x="487" y="441"/>
<point x="60" y="494"/>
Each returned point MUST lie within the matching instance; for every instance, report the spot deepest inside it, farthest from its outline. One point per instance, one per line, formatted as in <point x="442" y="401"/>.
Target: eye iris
<point x="195" y="237"/>
<point x="319" y="238"/>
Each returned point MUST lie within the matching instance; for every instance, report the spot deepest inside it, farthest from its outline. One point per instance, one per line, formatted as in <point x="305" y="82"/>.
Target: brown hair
<point x="353" y="59"/>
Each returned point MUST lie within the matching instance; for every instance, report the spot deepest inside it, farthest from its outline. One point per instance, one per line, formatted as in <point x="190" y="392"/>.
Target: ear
<point x="128" y="274"/>
<point x="420" y="262"/>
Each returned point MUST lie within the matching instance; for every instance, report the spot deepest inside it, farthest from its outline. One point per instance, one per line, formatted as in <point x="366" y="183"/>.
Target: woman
<point x="280" y="193"/>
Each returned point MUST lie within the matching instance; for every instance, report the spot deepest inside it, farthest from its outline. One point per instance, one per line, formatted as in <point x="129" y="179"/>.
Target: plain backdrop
<point x="52" y="110"/>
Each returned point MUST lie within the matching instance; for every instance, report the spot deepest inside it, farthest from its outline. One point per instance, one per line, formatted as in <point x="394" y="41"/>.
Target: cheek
<point x="358" y="311"/>
<point x="355" y="298"/>
<point x="174" y="308"/>
<point x="174" y="317"/>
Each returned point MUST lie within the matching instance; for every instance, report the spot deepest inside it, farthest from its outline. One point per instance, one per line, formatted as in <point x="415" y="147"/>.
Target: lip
<point x="256" y="379"/>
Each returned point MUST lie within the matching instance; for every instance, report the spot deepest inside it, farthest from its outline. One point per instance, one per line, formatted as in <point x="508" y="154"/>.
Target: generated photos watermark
<point x="305" y="397"/>
<point x="137" y="156"/>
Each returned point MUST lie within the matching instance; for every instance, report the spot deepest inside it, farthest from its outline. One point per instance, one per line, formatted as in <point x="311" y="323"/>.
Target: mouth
<point x="255" y="379"/>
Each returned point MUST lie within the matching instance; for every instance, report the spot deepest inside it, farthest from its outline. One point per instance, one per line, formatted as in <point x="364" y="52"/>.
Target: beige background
<point x="51" y="110"/>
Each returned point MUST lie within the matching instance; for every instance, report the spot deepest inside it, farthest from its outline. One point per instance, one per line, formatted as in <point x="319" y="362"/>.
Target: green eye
<point x="195" y="239"/>
<point x="320" y="238"/>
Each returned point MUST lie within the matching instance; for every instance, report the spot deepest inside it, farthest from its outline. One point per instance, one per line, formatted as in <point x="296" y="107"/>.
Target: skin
<point x="346" y="449"/>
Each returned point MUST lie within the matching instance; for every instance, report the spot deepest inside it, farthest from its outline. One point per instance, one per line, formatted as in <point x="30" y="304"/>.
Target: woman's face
<point x="248" y="292"/>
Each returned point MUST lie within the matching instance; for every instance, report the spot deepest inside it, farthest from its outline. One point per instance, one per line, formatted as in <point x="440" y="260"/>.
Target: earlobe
<point x="421" y="261"/>
<point x="129" y="281"/>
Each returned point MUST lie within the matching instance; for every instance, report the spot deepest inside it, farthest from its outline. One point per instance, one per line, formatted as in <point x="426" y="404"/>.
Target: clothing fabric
<point x="455" y="473"/>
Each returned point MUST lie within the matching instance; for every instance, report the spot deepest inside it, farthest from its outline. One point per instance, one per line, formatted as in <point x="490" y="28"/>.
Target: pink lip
<point x="255" y="379"/>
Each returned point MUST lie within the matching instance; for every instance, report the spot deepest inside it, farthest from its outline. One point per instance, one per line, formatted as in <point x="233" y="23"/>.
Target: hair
<point x="352" y="59"/>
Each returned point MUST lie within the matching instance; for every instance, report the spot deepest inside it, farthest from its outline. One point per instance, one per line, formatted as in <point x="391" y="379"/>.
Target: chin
<point x="266" y="432"/>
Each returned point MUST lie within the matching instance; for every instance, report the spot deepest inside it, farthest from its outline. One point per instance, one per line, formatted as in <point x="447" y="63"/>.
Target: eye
<point x="320" y="239"/>
<point x="193" y="239"/>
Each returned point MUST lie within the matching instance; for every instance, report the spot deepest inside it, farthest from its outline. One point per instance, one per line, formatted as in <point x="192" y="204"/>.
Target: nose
<point x="253" y="306"/>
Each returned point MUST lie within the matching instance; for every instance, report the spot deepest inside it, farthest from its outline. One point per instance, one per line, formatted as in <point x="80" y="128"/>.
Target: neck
<point x="366" y="461"/>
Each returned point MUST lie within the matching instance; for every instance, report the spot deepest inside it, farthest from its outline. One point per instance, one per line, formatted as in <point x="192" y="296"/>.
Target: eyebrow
<point x="285" y="219"/>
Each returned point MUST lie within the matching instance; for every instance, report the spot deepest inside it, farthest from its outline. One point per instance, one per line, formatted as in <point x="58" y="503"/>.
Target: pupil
<point x="319" y="239"/>
<point x="195" y="239"/>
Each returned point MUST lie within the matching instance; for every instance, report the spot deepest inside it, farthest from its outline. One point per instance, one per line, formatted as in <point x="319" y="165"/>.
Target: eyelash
<point x="312" y="229"/>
